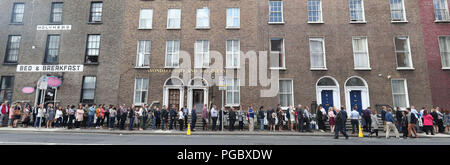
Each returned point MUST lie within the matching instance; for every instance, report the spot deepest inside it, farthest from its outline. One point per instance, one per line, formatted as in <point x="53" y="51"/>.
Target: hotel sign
<point x="54" y="27"/>
<point x="49" y="68"/>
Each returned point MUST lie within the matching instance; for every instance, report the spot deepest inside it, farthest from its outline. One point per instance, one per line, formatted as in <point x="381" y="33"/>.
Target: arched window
<point x="355" y="82"/>
<point x="174" y="82"/>
<point x="326" y="81"/>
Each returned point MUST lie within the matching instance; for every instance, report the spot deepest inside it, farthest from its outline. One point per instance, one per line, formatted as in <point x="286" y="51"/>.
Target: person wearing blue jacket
<point x="91" y="115"/>
<point x="390" y="124"/>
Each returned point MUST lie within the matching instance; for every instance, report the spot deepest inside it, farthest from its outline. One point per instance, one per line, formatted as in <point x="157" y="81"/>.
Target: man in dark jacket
<point x="232" y="116"/>
<point x="398" y="116"/>
<point x="339" y="121"/>
<point x="366" y="116"/>
<point x="261" y="118"/>
<point x="193" y="117"/>
<point x="131" y="114"/>
<point x="173" y="115"/>
<point x="344" y="117"/>
<point x="300" y="118"/>
<point x="164" y="117"/>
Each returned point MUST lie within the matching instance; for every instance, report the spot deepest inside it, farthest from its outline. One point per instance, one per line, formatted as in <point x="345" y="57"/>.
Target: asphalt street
<point x="47" y="138"/>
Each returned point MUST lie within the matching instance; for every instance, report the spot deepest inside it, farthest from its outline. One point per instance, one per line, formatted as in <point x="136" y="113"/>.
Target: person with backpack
<point x="131" y="116"/>
<point x="412" y="120"/>
<point x="16" y="115"/>
<point x="339" y="120"/>
<point x="390" y="124"/>
<point x="367" y="118"/>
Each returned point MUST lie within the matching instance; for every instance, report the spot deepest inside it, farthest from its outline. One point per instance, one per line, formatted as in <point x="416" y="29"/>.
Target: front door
<point x="355" y="100"/>
<point x="174" y="98"/>
<point x="47" y="97"/>
<point x="327" y="99"/>
<point x="198" y="99"/>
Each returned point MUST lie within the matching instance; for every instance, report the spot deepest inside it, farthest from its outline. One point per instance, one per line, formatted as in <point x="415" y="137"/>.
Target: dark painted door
<point x="355" y="100"/>
<point x="327" y="99"/>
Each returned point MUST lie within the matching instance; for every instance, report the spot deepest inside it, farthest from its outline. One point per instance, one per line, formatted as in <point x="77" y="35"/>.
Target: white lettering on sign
<point x="54" y="27"/>
<point x="49" y="68"/>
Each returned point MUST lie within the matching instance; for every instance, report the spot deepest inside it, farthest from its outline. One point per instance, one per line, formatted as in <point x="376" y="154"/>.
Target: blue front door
<point x="355" y="99"/>
<point x="327" y="99"/>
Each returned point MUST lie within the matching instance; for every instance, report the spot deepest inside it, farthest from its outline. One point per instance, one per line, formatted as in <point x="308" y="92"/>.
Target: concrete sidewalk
<point x="173" y="132"/>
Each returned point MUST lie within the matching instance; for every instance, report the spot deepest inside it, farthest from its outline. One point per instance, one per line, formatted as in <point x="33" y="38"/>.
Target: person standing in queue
<point x="300" y="118"/>
<point x="214" y="116"/>
<point x="339" y="121"/>
<point x="205" y="117"/>
<point x="193" y="117"/>
<point x="232" y="116"/>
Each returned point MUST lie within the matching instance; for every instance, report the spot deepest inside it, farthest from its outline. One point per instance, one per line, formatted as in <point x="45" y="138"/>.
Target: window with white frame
<point x="444" y="44"/>
<point x="233" y="18"/>
<point x="286" y="93"/>
<point x="277" y="55"/>
<point x="140" y="91"/>
<point x="317" y="53"/>
<point x="233" y="51"/>
<point x="201" y="54"/>
<point x="402" y="51"/>
<point x="92" y="48"/>
<point x="361" y="53"/>
<point x="441" y="10"/>
<point x="232" y="92"/>
<point x="88" y="89"/>
<point x="398" y="10"/>
<point x="143" y="53"/>
<point x="146" y="19"/>
<point x="56" y="13"/>
<point x="172" y="53"/>
<point x="6" y="88"/>
<point x="52" y="49"/>
<point x="203" y="18"/>
<point x="173" y="18"/>
<point x="96" y="12"/>
<point x="314" y="11"/>
<point x="357" y="11"/>
<point x="17" y="14"/>
<point x="275" y="11"/>
<point x="400" y="93"/>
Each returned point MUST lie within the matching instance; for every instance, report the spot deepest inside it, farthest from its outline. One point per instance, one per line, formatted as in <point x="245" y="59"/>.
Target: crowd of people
<point x="294" y="119"/>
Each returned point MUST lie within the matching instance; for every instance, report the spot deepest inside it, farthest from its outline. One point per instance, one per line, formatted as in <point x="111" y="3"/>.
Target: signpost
<point x="222" y="87"/>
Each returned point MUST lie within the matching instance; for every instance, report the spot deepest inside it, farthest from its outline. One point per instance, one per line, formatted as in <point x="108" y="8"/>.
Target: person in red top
<point x="4" y="109"/>
<point x="427" y="122"/>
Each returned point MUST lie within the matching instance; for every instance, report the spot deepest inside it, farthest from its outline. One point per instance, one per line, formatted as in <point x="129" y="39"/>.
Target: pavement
<point x="218" y="133"/>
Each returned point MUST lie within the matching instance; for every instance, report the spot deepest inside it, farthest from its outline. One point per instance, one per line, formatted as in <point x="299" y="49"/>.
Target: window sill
<point x="358" y="22"/>
<point x="318" y="69"/>
<point x="445" y="68"/>
<point x="178" y="28"/>
<point x="399" y="22"/>
<point x="202" y="28"/>
<point x="55" y="23"/>
<point x="95" y="23"/>
<point x="171" y="67"/>
<point x="232" y="105"/>
<point x="442" y="21"/>
<point x="142" y="67"/>
<point x="321" y="22"/>
<point x="92" y="63"/>
<point x="10" y="63"/>
<point x="276" y="23"/>
<point x="144" y="28"/>
<point x="203" y="67"/>
<point x="406" y="69"/>
<point x="232" y="28"/>
<point x="277" y="68"/>
<point x="232" y="67"/>
<point x="363" y="69"/>
<point x="16" y="24"/>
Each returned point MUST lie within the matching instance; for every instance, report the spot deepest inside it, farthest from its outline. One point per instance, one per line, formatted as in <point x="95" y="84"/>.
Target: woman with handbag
<point x="26" y="115"/>
<point x="17" y="112"/>
<point x="280" y="115"/>
<point x="427" y="122"/>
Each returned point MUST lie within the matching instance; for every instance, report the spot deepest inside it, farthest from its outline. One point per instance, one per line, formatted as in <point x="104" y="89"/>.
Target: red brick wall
<point x="439" y="79"/>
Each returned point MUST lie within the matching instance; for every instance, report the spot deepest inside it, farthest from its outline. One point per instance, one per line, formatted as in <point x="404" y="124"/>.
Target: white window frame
<point x="442" y="52"/>
<point x="233" y="17"/>
<point x="405" y="83"/>
<point x="291" y="92"/>
<point x="140" y="57"/>
<point x="142" y="90"/>
<point x="363" y="13"/>
<point x="355" y="52"/>
<point x="403" y="12"/>
<point x="148" y="19"/>
<point x="233" y="91"/>
<point x="200" y="18"/>
<point x="324" y="53"/>
<point x="229" y="64"/>
<point x="409" y="55"/>
<point x="176" y="17"/>
<point x="283" y="52"/>
<point x="446" y="12"/>
<point x="175" y="63"/>
<point x="282" y="11"/>
<point x="198" y="51"/>
<point x="321" y="11"/>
